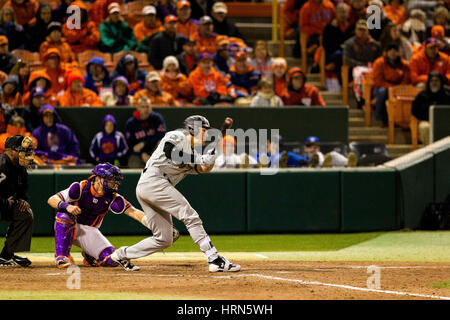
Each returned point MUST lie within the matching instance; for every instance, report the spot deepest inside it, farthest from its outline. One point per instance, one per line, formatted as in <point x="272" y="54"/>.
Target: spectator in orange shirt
<point x="149" y="25"/>
<point x="357" y="11"/>
<point x="16" y="125"/>
<point x="99" y="10"/>
<point x="153" y="91"/>
<point x="11" y="95"/>
<point x="298" y="92"/>
<point x="76" y="95"/>
<point x="396" y="12"/>
<point x="56" y="71"/>
<point x="314" y="17"/>
<point x="85" y="38"/>
<point x="208" y="85"/>
<point x="279" y="75"/>
<point x="426" y="60"/>
<point x="55" y="40"/>
<point x="388" y="70"/>
<point x="174" y="82"/>
<point x="205" y="37"/>
<point x="25" y="10"/>
<point x="186" y="26"/>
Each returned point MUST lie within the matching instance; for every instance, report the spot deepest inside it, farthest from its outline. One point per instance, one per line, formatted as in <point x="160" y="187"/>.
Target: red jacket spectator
<point x="25" y="10"/>
<point x="99" y="10"/>
<point x="396" y="12"/>
<point x="315" y="15"/>
<point x="56" y="71"/>
<point x="299" y="92"/>
<point x="429" y="59"/>
<point x="386" y="75"/>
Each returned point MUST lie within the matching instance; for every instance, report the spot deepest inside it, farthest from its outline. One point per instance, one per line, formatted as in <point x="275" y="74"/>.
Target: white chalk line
<point x="257" y="275"/>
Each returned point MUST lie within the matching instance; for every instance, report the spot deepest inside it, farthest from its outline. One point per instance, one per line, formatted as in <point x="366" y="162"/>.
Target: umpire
<point x="14" y="208"/>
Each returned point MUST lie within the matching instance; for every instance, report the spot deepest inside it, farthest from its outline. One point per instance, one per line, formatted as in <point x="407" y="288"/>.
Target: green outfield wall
<point x="388" y="197"/>
<point x="294" y="123"/>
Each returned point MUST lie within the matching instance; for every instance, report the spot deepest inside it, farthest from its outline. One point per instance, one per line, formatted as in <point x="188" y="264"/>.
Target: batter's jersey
<point x="172" y="170"/>
<point x="93" y="206"/>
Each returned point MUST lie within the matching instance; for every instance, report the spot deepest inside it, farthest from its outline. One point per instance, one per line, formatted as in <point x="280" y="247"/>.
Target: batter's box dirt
<point x="258" y="280"/>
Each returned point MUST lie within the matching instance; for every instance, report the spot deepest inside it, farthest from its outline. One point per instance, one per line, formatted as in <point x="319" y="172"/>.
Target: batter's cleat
<point x="352" y="160"/>
<point x="175" y="235"/>
<point x="314" y="163"/>
<point x="88" y="260"/>
<point x="327" y="161"/>
<point x="125" y="263"/>
<point x="62" y="262"/>
<point x="221" y="264"/>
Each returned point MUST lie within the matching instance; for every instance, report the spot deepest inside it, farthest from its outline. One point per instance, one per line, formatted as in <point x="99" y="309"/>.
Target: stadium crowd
<point x="188" y="53"/>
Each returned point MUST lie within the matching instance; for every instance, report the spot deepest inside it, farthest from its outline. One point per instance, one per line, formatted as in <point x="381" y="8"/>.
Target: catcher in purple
<point x="81" y="209"/>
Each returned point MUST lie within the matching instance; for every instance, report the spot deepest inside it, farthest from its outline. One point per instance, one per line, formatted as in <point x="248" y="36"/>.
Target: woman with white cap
<point x="174" y="82"/>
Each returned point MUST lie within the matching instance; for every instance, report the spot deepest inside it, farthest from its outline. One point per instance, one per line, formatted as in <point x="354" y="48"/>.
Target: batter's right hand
<point x="73" y="210"/>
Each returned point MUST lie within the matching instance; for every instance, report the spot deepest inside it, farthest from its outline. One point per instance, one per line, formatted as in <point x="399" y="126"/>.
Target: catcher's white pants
<point x="91" y="240"/>
<point x="160" y="201"/>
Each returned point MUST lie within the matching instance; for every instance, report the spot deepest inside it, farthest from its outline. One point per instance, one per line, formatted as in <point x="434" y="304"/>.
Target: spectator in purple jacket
<point x="109" y="145"/>
<point x="57" y="144"/>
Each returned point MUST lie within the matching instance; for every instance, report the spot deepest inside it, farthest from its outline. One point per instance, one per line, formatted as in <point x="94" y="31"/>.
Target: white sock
<point x="208" y="249"/>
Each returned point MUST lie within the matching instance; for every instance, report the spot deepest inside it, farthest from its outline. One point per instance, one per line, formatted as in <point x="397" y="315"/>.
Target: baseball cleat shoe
<point x="175" y="234"/>
<point x="327" y="161"/>
<point x="125" y="263"/>
<point x="352" y="160"/>
<point x="15" y="261"/>
<point x="314" y="163"/>
<point x="284" y="159"/>
<point x="221" y="264"/>
<point x="88" y="260"/>
<point x="62" y="262"/>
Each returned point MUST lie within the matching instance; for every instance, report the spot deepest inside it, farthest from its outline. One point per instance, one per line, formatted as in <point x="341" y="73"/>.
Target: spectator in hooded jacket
<point x="388" y="70"/>
<point x="426" y="60"/>
<point x="97" y="75"/>
<point x="39" y="78"/>
<point x="154" y="92"/>
<point x="434" y="94"/>
<point x="128" y="67"/>
<point x="31" y="114"/>
<point x="119" y="95"/>
<point x="7" y="59"/>
<point x="143" y="132"/>
<point x="174" y="82"/>
<point x="221" y="24"/>
<point x="108" y="145"/>
<point x="115" y="34"/>
<point x="55" y="40"/>
<point x="11" y="95"/>
<point x="300" y="93"/>
<point x="396" y="12"/>
<point x="186" y="26"/>
<point x="85" y="38"/>
<point x="149" y="25"/>
<point x="37" y="31"/>
<point x="165" y="43"/>
<point x="56" y="142"/>
<point x="98" y="10"/>
<point x="25" y="10"/>
<point x="56" y="72"/>
<point x="9" y="28"/>
<point x="76" y="95"/>
<point x="243" y="77"/>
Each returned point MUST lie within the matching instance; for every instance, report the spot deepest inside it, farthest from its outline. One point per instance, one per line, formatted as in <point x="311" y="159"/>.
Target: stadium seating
<point x="33" y="58"/>
<point x="414" y="126"/>
<point x="337" y="146"/>
<point x="368" y="148"/>
<point x="84" y="57"/>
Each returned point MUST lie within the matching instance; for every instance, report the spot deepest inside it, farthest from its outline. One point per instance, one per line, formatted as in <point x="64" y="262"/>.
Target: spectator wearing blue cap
<point x="316" y="158"/>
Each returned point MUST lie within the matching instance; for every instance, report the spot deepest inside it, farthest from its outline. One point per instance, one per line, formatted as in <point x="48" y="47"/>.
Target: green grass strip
<point x="444" y="284"/>
<point x="237" y="243"/>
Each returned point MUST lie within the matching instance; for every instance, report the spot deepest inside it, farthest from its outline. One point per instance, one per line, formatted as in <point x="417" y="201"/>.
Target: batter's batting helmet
<point x="111" y="175"/>
<point x="193" y="123"/>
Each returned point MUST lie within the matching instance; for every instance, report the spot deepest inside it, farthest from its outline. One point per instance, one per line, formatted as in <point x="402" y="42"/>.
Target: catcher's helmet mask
<point x="112" y="176"/>
<point x="24" y="146"/>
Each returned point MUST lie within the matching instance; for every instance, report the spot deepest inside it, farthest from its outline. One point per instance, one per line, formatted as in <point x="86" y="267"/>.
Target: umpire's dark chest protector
<point x="13" y="179"/>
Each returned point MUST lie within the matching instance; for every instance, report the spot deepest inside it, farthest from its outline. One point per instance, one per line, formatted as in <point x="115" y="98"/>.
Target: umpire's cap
<point x="14" y="142"/>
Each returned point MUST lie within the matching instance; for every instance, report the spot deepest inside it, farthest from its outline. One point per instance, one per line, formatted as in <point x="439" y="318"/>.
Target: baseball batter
<point x="174" y="158"/>
<point x="81" y="209"/>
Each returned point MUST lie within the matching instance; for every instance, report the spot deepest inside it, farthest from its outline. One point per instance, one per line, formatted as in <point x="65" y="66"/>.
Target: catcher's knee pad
<point x="64" y="234"/>
<point x="105" y="259"/>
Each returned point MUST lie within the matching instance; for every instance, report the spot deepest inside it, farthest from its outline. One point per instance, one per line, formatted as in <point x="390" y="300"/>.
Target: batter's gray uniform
<point x="160" y="200"/>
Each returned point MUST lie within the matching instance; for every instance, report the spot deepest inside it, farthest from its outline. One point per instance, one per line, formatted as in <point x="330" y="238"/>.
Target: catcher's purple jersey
<point x="93" y="206"/>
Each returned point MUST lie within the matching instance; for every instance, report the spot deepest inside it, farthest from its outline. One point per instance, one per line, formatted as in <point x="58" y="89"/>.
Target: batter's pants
<point x="20" y="229"/>
<point x="160" y="200"/>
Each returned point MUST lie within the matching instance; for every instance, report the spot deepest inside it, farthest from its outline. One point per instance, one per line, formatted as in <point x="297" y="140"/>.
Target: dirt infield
<point x="258" y="280"/>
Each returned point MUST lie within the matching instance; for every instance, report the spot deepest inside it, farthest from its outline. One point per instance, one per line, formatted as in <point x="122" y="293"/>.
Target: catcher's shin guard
<point x="105" y="258"/>
<point x="64" y="234"/>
